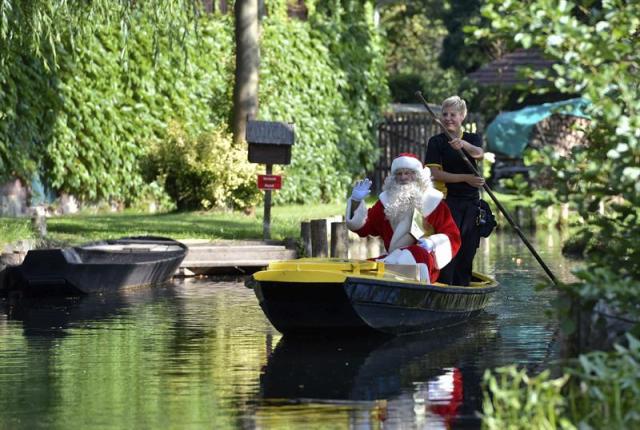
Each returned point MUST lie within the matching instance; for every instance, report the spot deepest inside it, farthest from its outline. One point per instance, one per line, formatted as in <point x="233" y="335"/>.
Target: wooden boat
<point x="97" y="267"/>
<point x="311" y="295"/>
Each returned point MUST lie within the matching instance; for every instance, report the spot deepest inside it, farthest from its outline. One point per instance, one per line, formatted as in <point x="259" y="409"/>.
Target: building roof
<point x="507" y="70"/>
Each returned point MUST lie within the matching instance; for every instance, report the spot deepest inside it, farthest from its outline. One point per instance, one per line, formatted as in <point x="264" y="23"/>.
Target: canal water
<point x="201" y="355"/>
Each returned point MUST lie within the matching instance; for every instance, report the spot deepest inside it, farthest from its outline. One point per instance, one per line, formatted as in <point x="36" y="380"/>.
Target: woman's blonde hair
<point x="456" y="103"/>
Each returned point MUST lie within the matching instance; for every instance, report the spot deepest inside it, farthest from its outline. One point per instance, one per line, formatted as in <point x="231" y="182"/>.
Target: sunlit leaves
<point x="326" y="75"/>
<point x="599" y="391"/>
<point x="597" y="49"/>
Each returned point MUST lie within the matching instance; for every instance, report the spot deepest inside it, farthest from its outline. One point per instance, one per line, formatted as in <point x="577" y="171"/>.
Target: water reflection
<point x="200" y="354"/>
<point x="411" y="378"/>
<point x="53" y="317"/>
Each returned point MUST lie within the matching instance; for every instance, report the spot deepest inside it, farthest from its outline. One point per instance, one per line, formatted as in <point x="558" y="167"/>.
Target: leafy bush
<point x="515" y="400"/>
<point x="600" y="390"/>
<point x="403" y="87"/>
<point x="328" y="78"/>
<point x="117" y="97"/>
<point x="204" y="171"/>
<point x="85" y="96"/>
<point x="152" y="197"/>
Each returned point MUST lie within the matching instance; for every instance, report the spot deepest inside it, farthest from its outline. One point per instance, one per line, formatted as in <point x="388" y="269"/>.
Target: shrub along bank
<point x="83" y="108"/>
<point x="600" y="182"/>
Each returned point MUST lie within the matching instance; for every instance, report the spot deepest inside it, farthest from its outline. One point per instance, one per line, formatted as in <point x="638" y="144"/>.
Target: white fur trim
<point x="430" y="201"/>
<point x="384" y="198"/>
<point x="359" y="217"/>
<point x="405" y="162"/>
<point x="442" y="250"/>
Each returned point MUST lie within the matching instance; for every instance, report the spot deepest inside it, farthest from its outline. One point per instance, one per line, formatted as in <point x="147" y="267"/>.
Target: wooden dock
<point x="232" y="256"/>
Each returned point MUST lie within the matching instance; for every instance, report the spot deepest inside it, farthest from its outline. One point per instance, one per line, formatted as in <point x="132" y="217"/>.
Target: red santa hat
<point x="406" y="160"/>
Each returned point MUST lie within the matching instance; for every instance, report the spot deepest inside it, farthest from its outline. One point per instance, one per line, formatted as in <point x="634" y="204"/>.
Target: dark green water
<point x="201" y="355"/>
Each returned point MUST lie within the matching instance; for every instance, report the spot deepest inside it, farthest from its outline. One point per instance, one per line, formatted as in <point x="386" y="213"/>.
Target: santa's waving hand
<point x="408" y="205"/>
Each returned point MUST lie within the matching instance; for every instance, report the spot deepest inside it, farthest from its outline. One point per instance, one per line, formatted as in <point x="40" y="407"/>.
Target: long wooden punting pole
<point x="488" y="190"/>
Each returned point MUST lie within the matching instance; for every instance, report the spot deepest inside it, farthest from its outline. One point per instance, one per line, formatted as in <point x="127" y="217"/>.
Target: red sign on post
<point x="269" y="182"/>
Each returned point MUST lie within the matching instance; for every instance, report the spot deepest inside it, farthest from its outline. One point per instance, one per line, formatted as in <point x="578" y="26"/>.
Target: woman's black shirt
<point x="440" y="152"/>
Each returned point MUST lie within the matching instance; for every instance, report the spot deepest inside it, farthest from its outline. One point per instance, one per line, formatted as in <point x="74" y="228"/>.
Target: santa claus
<point x="407" y="207"/>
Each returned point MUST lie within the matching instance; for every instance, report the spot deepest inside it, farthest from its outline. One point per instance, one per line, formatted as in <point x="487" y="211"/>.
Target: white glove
<point x="426" y="244"/>
<point x="361" y="190"/>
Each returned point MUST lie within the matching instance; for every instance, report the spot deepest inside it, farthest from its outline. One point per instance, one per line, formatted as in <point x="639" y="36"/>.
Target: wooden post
<point x="266" y="222"/>
<point x="319" y="245"/>
<point x="373" y="247"/>
<point x="339" y="240"/>
<point x="363" y="248"/>
<point x="305" y="233"/>
<point x="519" y="215"/>
<point x="39" y="222"/>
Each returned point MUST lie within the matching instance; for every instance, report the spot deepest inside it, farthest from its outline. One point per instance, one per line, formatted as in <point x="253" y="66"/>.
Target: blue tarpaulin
<point x="509" y="132"/>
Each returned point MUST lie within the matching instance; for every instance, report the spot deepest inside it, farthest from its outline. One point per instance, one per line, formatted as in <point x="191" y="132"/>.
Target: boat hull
<point x="367" y="305"/>
<point x="401" y="309"/>
<point x="98" y="267"/>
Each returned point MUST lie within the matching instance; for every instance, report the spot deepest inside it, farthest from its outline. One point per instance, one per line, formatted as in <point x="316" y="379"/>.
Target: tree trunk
<point x="245" y="90"/>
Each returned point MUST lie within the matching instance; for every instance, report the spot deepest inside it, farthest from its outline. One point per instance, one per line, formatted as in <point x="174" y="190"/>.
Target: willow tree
<point x="36" y="38"/>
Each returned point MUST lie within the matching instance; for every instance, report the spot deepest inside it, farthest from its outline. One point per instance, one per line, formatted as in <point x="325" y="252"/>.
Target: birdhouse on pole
<point x="270" y="143"/>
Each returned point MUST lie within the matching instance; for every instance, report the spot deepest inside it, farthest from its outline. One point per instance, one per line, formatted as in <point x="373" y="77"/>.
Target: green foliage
<point x="81" y="106"/>
<point x="62" y="96"/>
<point x="600" y="390"/>
<point x="597" y="52"/>
<point x="204" y="171"/>
<point x="28" y="105"/>
<point x="414" y="43"/>
<point x="298" y="84"/>
<point x="115" y="104"/>
<point x="460" y="50"/>
<point x="515" y="400"/>
<point x="89" y="88"/>
<point x="597" y="55"/>
<point x="153" y="198"/>
<point x="327" y="76"/>
<point x="517" y="184"/>
<point x="605" y="388"/>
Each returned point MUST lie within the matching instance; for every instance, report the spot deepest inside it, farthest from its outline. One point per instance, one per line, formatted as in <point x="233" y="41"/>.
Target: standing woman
<point x="462" y="186"/>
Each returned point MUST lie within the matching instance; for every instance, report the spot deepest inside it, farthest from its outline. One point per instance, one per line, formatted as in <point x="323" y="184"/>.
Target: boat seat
<point x="406" y="270"/>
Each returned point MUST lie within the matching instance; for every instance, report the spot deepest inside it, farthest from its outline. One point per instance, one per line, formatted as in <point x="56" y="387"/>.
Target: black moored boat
<point x="96" y="267"/>
<point x="310" y="296"/>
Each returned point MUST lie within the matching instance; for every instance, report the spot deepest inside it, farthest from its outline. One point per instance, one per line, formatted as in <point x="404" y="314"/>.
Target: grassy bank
<point x="79" y="228"/>
<point x="285" y="222"/>
<point x="14" y="229"/>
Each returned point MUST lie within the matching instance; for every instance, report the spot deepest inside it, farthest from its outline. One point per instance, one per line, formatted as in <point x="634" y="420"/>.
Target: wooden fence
<point x="409" y="132"/>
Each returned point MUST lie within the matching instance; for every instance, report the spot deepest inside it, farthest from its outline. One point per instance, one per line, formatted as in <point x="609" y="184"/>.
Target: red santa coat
<point x="435" y="213"/>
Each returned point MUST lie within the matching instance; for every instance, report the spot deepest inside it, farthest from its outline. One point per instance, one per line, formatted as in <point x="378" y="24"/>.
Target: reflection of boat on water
<point x="363" y="368"/>
<point x="52" y="316"/>
<point x="97" y="267"/>
<point x="319" y="295"/>
<point x="419" y="371"/>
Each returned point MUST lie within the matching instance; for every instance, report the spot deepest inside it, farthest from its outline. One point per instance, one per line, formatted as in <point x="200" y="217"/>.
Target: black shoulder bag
<point x="486" y="221"/>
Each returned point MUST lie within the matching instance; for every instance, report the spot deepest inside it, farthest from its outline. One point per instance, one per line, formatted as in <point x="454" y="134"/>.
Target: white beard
<point x="402" y="200"/>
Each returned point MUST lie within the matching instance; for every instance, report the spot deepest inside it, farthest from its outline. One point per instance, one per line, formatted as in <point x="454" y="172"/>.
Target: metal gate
<point x="409" y="132"/>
